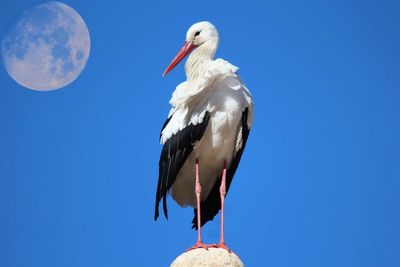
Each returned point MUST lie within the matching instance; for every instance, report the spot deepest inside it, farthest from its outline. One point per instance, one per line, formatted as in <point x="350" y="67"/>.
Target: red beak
<point x="186" y="48"/>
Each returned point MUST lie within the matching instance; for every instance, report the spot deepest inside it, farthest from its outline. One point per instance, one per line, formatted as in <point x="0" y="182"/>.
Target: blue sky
<point x="319" y="182"/>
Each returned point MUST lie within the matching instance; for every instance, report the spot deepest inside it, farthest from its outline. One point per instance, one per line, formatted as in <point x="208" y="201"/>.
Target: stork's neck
<point x="198" y="60"/>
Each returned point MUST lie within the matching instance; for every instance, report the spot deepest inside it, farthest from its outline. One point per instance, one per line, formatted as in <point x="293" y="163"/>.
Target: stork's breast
<point x="224" y="123"/>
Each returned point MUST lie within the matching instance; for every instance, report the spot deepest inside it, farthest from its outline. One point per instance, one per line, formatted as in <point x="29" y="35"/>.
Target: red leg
<point x="199" y="243"/>
<point x="222" y="192"/>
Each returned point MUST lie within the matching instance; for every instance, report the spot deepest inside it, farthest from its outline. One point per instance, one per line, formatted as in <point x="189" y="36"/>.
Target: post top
<point x="217" y="257"/>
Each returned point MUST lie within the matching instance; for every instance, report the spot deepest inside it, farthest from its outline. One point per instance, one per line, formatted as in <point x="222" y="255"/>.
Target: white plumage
<point x="221" y="93"/>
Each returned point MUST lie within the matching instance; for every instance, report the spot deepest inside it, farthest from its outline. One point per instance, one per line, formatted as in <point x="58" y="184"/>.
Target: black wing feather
<point x="173" y="155"/>
<point x="212" y="205"/>
<point x="165" y="125"/>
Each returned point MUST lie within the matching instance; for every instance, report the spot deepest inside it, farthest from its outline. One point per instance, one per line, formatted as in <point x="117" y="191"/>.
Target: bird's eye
<point x="197" y="33"/>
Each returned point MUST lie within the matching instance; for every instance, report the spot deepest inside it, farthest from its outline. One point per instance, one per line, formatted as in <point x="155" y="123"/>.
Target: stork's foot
<point x="199" y="245"/>
<point x="223" y="246"/>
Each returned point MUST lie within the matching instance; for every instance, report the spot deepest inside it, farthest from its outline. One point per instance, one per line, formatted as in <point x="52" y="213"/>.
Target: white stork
<point x="206" y="131"/>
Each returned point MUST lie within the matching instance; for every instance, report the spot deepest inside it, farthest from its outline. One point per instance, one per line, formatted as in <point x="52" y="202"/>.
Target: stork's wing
<point x="212" y="205"/>
<point x="173" y="155"/>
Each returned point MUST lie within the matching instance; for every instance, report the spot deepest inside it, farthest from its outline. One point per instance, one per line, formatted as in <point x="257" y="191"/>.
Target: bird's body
<point x="206" y="131"/>
<point x="225" y="98"/>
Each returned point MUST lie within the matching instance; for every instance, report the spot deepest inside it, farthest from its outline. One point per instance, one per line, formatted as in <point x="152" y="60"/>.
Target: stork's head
<point x="201" y="32"/>
<point x="200" y="36"/>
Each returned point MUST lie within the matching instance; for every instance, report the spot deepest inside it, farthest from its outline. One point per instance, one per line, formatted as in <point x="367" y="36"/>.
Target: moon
<point x="46" y="47"/>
